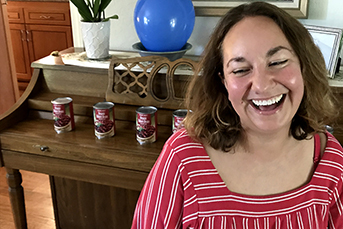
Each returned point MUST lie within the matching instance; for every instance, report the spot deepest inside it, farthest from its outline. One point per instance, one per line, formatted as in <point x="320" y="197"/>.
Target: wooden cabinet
<point x="9" y="89"/>
<point x="37" y="29"/>
<point x="20" y="52"/>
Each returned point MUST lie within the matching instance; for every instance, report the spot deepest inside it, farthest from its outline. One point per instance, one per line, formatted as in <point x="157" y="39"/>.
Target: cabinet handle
<point x="44" y="17"/>
<point x="28" y="36"/>
<point x="23" y="37"/>
<point x="44" y="148"/>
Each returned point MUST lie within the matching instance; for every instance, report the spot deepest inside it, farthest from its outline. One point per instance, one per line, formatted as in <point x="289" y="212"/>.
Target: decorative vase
<point x="164" y="25"/>
<point x="96" y="37"/>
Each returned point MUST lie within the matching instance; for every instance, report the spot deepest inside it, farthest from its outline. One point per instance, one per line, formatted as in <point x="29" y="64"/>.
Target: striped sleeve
<point x="336" y="208"/>
<point x="160" y="204"/>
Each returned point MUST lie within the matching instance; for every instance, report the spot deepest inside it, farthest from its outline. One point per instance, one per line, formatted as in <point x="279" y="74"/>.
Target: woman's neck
<point x="267" y="144"/>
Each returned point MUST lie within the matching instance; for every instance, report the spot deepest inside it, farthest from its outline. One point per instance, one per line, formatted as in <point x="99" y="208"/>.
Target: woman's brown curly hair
<point x="213" y="119"/>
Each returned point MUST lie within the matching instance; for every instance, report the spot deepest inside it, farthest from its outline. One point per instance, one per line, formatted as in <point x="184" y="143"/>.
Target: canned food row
<point x="104" y="119"/>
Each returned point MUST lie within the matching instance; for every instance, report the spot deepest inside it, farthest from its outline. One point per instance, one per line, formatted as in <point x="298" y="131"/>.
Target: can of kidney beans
<point x="104" y="125"/>
<point x="178" y="117"/>
<point x="146" y="124"/>
<point x="63" y="114"/>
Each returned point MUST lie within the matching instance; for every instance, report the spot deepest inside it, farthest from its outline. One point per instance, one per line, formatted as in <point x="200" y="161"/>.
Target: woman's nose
<point x="262" y="81"/>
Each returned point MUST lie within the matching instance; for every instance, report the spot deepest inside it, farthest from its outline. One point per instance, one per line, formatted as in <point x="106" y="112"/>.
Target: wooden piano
<point x="94" y="183"/>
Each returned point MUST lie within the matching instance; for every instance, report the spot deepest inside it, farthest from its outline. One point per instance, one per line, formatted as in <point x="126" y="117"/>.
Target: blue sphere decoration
<point x="164" y="25"/>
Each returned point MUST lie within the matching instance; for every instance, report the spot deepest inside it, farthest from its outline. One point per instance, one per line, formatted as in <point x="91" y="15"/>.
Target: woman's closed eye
<point x="278" y="63"/>
<point x="240" y="71"/>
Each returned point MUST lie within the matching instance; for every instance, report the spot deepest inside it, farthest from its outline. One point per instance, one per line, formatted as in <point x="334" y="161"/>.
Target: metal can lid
<point x="63" y="100"/>
<point x="103" y="105"/>
<point x="146" y="110"/>
<point x="180" y="113"/>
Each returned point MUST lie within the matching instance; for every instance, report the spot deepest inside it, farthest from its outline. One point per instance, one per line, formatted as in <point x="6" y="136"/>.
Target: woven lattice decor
<point x="149" y="80"/>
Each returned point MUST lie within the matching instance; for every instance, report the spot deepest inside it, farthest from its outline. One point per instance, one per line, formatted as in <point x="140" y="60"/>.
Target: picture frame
<point x="329" y="41"/>
<point x="296" y="8"/>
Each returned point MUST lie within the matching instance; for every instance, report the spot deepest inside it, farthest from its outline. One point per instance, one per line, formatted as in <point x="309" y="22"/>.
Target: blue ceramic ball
<point x="164" y="25"/>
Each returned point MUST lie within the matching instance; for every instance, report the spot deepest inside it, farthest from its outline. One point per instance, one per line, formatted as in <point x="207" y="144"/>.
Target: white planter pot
<point x="96" y="37"/>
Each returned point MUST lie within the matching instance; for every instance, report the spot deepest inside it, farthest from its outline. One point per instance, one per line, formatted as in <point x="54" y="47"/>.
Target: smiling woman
<point x="254" y="152"/>
<point x="260" y="67"/>
<point x="223" y="127"/>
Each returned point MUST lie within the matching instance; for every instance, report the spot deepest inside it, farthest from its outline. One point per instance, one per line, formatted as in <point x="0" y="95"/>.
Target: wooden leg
<point x="16" y="194"/>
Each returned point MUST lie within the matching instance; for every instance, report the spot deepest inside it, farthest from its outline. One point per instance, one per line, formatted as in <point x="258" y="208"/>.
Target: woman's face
<point x="262" y="75"/>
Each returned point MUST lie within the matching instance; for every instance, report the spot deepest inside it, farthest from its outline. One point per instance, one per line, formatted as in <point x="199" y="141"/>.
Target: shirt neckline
<point x="316" y="160"/>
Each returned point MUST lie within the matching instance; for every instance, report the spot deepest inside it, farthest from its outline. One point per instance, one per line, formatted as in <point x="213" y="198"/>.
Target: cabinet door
<point x="47" y="13"/>
<point x="15" y="13"/>
<point x="8" y="92"/>
<point x="20" y="52"/>
<point x="43" y="39"/>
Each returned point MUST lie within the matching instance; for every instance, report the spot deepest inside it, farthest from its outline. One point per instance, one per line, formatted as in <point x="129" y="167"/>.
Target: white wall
<point x="123" y="34"/>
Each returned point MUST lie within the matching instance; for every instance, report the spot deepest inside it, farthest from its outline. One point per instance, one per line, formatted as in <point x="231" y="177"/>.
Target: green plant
<point x="93" y="10"/>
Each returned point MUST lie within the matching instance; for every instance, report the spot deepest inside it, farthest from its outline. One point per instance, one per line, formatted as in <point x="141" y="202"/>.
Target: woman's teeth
<point x="267" y="102"/>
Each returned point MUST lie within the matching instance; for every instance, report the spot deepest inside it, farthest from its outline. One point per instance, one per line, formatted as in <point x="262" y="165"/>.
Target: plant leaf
<point x="96" y="7"/>
<point x="112" y="17"/>
<point x="104" y="4"/>
<point x="83" y="10"/>
<point x="93" y="10"/>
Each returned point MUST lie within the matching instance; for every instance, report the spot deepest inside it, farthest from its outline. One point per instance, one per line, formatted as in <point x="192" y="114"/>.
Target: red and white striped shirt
<point x="184" y="190"/>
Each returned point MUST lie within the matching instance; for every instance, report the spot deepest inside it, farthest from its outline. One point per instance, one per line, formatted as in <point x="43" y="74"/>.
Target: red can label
<point x="63" y="114"/>
<point x="178" y="117"/>
<point x="104" y="120"/>
<point x="146" y="125"/>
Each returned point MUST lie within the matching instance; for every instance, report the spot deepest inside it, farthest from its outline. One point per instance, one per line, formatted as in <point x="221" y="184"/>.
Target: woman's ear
<point x="223" y="79"/>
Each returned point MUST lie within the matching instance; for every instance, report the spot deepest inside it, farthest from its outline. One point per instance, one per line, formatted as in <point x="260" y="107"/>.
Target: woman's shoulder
<point x="332" y="157"/>
<point x="180" y="137"/>
<point x="184" y="145"/>
<point x="333" y="144"/>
